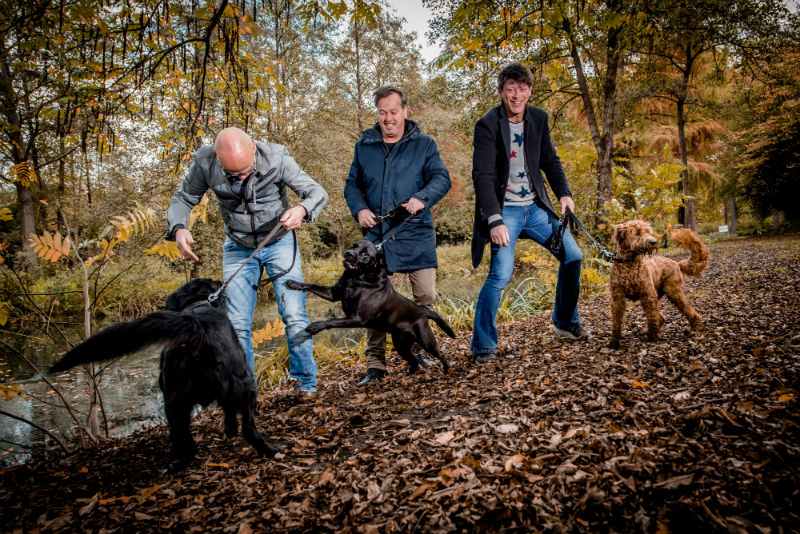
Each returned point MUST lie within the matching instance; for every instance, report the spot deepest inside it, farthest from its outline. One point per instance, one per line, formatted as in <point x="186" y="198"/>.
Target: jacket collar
<point x="374" y="135"/>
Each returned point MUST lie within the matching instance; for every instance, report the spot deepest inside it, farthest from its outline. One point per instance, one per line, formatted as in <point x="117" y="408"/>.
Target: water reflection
<point x="129" y="389"/>
<point x="131" y="399"/>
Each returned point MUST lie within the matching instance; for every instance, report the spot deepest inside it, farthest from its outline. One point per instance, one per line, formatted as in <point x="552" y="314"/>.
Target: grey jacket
<point x="250" y="218"/>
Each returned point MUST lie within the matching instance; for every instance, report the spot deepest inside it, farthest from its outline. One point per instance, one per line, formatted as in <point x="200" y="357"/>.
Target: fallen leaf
<point x="445" y="437"/>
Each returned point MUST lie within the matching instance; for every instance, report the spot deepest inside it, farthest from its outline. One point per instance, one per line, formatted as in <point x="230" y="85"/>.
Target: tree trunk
<point x="9" y="108"/>
<point x="606" y="157"/>
<point x="603" y="142"/>
<point x="27" y="223"/>
<point x="733" y="213"/>
<point x="725" y="213"/>
<point x="777" y="219"/>
<point x="689" y="216"/>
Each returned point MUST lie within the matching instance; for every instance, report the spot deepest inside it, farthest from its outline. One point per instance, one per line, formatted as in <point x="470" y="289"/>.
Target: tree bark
<point x="689" y="205"/>
<point x="603" y="141"/>
<point x="8" y="107"/>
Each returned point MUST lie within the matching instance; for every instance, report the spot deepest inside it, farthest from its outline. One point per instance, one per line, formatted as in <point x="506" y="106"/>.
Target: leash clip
<point x="214" y="297"/>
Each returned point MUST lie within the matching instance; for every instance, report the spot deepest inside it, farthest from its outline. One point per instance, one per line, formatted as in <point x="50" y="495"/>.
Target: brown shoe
<point x="310" y="396"/>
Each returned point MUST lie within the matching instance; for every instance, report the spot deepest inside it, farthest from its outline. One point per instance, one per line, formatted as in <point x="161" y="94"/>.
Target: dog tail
<point x="441" y="322"/>
<point x="698" y="261"/>
<point x="123" y="338"/>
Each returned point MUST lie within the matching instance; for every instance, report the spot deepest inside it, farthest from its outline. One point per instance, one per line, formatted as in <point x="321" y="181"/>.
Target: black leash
<point x="213" y="297"/>
<point x="393" y="230"/>
<point x="570" y="220"/>
<point x="283" y="272"/>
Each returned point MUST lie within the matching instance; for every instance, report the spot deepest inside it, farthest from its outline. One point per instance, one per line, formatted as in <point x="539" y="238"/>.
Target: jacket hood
<point x="374" y="135"/>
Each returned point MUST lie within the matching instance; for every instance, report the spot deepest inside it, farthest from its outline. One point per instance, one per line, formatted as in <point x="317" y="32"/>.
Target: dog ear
<point x="619" y="235"/>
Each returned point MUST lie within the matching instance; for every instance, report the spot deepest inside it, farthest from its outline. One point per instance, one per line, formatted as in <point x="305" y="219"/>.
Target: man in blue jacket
<point x="511" y="147"/>
<point x="396" y="169"/>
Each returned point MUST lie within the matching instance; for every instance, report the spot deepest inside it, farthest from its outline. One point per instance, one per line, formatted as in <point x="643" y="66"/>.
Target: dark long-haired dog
<point x="202" y="362"/>
<point x="637" y="275"/>
<point x="369" y="301"/>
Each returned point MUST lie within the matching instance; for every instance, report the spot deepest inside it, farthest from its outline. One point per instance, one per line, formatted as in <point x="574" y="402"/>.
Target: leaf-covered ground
<point x="694" y="433"/>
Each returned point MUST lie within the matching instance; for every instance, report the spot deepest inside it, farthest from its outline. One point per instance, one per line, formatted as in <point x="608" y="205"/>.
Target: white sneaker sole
<point x="570" y="335"/>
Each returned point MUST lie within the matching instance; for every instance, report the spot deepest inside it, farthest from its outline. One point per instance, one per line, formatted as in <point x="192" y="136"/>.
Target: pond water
<point x="129" y="388"/>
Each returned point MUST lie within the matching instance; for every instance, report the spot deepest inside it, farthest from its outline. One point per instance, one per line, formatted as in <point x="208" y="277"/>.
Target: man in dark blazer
<point x="512" y="147"/>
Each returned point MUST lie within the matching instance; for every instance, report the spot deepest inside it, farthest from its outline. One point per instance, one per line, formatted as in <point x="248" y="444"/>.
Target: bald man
<point x="249" y="179"/>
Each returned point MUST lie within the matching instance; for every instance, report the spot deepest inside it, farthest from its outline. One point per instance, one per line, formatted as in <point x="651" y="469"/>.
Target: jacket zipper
<point x="248" y="211"/>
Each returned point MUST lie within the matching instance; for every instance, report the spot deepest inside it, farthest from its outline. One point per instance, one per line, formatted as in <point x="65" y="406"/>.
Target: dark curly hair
<point x="517" y="72"/>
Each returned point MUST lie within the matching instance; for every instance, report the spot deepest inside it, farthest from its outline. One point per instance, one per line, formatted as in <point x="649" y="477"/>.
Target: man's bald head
<point x="235" y="151"/>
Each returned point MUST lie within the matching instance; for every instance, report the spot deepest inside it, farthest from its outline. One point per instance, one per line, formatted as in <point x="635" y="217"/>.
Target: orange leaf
<point x="421" y="489"/>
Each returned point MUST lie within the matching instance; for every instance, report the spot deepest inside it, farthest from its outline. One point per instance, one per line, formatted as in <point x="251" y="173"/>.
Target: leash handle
<point x="213" y="297"/>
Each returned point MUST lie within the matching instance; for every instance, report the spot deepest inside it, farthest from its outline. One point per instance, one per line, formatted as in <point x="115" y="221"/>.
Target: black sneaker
<point x="373" y="375"/>
<point x="484" y="357"/>
<point x="576" y="332"/>
<point x="424" y="361"/>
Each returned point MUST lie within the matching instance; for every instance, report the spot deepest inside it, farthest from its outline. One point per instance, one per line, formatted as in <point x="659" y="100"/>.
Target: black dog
<point x="202" y="362"/>
<point x="369" y="301"/>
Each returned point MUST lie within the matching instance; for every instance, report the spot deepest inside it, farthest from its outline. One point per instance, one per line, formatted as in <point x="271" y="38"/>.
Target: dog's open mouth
<point x="350" y="266"/>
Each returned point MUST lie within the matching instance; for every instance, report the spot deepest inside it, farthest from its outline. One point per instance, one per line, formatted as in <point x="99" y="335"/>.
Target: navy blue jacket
<point x="380" y="181"/>
<point x="491" y="146"/>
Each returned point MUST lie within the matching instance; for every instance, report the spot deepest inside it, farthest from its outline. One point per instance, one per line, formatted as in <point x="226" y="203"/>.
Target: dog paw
<point x="294" y="284"/>
<point x="698" y="326"/>
<point x="177" y="466"/>
<point x="314" y="328"/>
<point x="301" y="337"/>
<point x="412" y="369"/>
<point x="268" y="450"/>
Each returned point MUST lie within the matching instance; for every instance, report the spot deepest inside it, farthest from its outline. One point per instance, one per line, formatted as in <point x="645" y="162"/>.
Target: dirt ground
<point x="693" y="433"/>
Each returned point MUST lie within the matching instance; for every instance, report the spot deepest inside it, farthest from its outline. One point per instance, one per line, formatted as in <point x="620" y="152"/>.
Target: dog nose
<point x="652" y="242"/>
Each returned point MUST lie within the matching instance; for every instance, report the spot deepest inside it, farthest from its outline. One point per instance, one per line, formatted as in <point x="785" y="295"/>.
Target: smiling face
<point x="392" y="117"/>
<point x="515" y="97"/>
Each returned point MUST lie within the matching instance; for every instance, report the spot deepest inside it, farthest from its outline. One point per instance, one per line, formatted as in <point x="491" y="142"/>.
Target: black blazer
<point x="491" y="145"/>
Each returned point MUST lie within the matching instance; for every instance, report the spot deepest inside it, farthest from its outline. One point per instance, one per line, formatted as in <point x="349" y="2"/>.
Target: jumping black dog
<point x="202" y="362"/>
<point x="369" y="301"/>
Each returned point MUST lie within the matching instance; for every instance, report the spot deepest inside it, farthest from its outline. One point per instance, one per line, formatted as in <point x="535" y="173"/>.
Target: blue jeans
<point x="241" y="302"/>
<point x="537" y="223"/>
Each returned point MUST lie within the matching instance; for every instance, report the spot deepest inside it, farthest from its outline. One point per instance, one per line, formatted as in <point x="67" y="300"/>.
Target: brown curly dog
<point x="637" y="275"/>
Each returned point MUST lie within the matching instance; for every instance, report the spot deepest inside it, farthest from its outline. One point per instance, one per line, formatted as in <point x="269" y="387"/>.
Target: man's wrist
<point x="174" y="230"/>
<point x="494" y="220"/>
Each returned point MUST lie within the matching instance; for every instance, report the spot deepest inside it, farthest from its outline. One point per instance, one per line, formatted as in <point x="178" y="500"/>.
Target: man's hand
<point x="293" y="217"/>
<point x="566" y="202"/>
<point x="183" y="238"/>
<point x="366" y="218"/>
<point x="499" y="235"/>
<point x="414" y="205"/>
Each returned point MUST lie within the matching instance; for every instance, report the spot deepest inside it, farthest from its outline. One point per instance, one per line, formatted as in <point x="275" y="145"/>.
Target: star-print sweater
<point x="518" y="191"/>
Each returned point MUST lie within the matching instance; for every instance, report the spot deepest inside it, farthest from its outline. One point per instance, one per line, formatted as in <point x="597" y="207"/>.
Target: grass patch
<point x="530" y="292"/>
